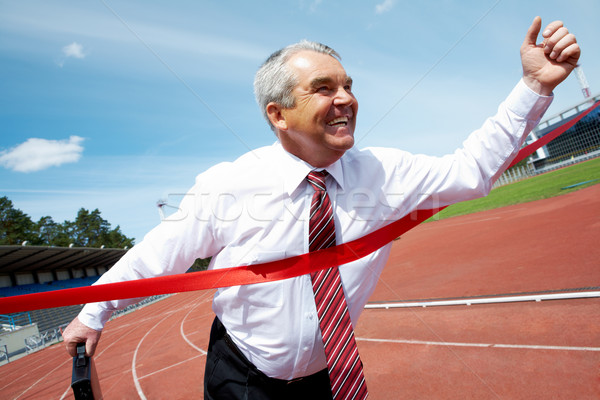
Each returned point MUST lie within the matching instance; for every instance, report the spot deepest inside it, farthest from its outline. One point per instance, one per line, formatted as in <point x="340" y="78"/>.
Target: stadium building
<point x="579" y="143"/>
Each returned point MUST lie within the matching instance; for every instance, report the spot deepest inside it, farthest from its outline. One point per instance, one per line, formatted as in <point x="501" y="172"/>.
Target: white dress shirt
<point x="256" y="208"/>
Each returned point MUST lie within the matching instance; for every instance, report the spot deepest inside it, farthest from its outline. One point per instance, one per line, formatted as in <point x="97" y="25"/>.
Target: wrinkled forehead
<point x="311" y="67"/>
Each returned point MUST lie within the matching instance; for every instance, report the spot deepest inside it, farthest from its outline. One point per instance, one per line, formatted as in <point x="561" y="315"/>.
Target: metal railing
<point x="12" y="321"/>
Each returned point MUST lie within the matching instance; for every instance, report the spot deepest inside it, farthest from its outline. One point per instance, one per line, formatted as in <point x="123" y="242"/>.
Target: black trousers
<point x="230" y="376"/>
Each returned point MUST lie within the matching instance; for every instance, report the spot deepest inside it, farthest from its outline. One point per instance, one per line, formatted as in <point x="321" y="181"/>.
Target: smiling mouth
<point x="338" y="122"/>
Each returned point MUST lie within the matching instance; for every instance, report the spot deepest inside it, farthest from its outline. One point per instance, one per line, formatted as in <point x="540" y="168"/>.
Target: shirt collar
<point x="294" y="170"/>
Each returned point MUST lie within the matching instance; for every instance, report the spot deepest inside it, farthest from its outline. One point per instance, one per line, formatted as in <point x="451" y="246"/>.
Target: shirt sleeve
<point x="170" y="248"/>
<point x="470" y="171"/>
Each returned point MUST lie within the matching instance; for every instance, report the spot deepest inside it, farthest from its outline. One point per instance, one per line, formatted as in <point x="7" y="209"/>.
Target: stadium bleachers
<point x="51" y="318"/>
<point x="46" y="287"/>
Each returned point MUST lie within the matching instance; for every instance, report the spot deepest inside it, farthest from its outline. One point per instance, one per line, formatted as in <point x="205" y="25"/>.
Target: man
<point x="294" y="338"/>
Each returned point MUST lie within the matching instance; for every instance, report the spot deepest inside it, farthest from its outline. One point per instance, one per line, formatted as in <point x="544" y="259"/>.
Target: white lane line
<point x="136" y="382"/>
<point x="133" y="370"/>
<point x="135" y="324"/>
<point x="171" y="366"/>
<point x="66" y="393"/>
<point x="10" y="380"/>
<point x="184" y="336"/>
<point x="107" y="338"/>
<point x="489" y="300"/>
<point x="42" y="378"/>
<point x="486" y="345"/>
<point x="202" y="352"/>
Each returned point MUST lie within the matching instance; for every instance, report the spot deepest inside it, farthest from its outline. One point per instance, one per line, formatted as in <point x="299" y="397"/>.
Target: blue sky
<point x="115" y="105"/>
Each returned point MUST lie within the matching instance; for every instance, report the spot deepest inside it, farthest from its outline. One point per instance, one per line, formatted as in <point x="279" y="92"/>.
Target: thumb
<point x="90" y="347"/>
<point x="532" y="32"/>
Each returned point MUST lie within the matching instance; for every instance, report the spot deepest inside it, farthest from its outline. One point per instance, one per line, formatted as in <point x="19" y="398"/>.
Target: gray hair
<point x="274" y="81"/>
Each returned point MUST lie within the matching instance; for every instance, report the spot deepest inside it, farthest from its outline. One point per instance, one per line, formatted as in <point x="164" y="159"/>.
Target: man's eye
<point x="348" y="88"/>
<point x="323" y="89"/>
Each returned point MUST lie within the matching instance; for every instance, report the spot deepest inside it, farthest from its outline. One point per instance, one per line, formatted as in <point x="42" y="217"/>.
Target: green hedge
<point x="550" y="184"/>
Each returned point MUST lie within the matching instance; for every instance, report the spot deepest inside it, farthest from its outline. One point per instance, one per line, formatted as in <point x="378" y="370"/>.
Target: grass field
<point x="538" y="187"/>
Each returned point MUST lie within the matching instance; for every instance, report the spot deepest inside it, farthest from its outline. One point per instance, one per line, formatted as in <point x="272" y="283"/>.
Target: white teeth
<point x="339" y="120"/>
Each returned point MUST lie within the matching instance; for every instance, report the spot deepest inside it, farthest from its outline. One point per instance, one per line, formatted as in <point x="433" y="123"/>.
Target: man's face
<point x="320" y="128"/>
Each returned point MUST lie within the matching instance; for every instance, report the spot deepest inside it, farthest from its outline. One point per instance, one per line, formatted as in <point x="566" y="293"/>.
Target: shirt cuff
<point x="94" y="316"/>
<point x="526" y="103"/>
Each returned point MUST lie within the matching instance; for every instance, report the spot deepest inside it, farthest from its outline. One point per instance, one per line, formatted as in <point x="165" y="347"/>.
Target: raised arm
<point x="547" y="64"/>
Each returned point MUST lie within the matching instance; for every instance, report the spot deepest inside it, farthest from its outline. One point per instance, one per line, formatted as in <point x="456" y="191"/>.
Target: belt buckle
<point x="295" y="380"/>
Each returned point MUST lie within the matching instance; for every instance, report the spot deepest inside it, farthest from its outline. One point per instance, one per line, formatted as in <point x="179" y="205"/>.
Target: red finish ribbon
<point x="544" y="140"/>
<point x="266" y="272"/>
<point x="244" y="275"/>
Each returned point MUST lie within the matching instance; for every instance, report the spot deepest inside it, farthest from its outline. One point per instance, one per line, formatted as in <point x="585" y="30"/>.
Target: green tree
<point x="51" y="233"/>
<point x="15" y="226"/>
<point x="201" y="264"/>
<point x="88" y="230"/>
<point x="91" y="230"/>
<point x="115" y="238"/>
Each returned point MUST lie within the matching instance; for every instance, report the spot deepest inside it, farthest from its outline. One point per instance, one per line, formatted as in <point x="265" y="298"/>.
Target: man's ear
<point x="276" y="116"/>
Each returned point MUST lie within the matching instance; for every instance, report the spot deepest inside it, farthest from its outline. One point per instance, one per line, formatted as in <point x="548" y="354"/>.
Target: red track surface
<point x="453" y="352"/>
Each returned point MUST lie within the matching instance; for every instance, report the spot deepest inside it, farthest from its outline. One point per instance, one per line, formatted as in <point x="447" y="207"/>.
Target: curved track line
<point x="136" y="324"/>
<point x="170" y="366"/>
<point x="96" y="356"/>
<point x="136" y="382"/>
<point x="183" y="335"/>
<point x="133" y="370"/>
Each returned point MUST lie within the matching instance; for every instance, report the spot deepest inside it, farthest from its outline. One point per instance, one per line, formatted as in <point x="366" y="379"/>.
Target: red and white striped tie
<point x="343" y="361"/>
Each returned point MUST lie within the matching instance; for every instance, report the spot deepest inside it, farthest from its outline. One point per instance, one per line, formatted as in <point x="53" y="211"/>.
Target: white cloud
<point x="74" y="50"/>
<point x="384" y="7"/>
<point x="37" y="154"/>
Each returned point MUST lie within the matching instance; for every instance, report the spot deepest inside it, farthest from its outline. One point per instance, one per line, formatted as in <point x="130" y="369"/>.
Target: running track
<point x="532" y="350"/>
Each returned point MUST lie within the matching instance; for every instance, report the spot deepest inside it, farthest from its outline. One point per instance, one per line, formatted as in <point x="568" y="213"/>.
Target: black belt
<point x="274" y="381"/>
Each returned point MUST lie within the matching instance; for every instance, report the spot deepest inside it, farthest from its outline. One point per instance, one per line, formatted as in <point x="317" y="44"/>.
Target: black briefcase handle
<point x="81" y="380"/>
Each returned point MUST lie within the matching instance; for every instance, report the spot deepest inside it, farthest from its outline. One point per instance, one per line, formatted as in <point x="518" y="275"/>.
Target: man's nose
<point x="343" y="97"/>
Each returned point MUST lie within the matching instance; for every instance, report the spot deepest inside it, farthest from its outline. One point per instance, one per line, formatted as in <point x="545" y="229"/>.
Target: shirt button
<point x="310" y="316"/>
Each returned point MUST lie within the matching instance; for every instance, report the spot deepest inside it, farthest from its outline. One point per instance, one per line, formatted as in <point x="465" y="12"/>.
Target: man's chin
<point x="342" y="134"/>
<point x="342" y="143"/>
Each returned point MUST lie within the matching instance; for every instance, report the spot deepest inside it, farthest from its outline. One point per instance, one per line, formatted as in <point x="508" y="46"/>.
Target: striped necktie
<point x="343" y="361"/>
